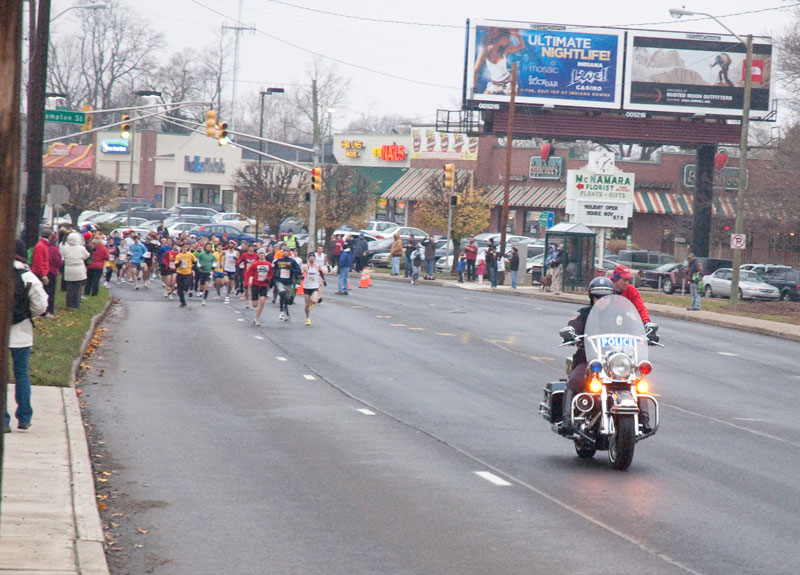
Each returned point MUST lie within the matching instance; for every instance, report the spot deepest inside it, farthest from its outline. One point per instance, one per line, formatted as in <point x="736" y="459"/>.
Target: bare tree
<point x="86" y="190"/>
<point x="346" y="198"/>
<point x="270" y="192"/>
<point x="100" y="66"/>
<point x="380" y="124"/>
<point x="216" y="66"/>
<point x="332" y="90"/>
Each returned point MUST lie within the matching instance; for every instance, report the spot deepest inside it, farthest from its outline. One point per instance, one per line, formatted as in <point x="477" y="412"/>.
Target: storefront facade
<point x="171" y="168"/>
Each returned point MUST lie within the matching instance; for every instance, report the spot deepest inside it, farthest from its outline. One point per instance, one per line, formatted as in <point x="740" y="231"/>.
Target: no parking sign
<point x="738" y="241"/>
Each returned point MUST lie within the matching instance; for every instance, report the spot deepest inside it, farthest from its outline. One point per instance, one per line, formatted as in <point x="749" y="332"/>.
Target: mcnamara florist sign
<point x="204" y="166"/>
<point x="583" y="185"/>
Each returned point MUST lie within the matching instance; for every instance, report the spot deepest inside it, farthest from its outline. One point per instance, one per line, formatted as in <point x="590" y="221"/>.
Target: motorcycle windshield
<point x="614" y="325"/>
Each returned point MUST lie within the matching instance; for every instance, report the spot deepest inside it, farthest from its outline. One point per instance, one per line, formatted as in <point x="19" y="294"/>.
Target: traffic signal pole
<point x="312" y="207"/>
<point x="509" y="150"/>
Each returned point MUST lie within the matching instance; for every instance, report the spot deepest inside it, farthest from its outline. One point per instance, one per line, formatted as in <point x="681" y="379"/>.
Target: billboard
<point x="428" y="144"/>
<point x="695" y="73"/>
<point x="556" y="65"/>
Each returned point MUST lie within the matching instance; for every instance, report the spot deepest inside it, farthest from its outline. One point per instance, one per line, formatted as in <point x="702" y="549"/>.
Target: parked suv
<point x="761" y="269"/>
<point x="787" y="280"/>
<point x="643" y="260"/>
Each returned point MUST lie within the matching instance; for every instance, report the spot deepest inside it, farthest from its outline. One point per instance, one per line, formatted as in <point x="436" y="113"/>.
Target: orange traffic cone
<point x="364" y="279"/>
<point x="369" y="277"/>
<point x="300" y="289"/>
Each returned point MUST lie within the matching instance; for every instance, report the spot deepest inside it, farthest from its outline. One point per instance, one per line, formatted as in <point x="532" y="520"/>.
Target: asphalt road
<point x="374" y="440"/>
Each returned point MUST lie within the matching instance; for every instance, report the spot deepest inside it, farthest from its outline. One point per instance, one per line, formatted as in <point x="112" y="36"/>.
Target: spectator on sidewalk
<point x="94" y="269"/>
<point x="514" y="266"/>
<point x="430" y="256"/>
<point x="74" y="268"/>
<point x="345" y="262"/>
<point x="491" y="266"/>
<point x="56" y="261"/>
<point x="409" y="246"/>
<point x="462" y="265"/>
<point x="557" y="265"/>
<point x="471" y="252"/>
<point x="396" y="252"/>
<point x="40" y="264"/>
<point x="338" y="246"/>
<point x="481" y="268"/>
<point x="695" y="278"/>
<point x="30" y="300"/>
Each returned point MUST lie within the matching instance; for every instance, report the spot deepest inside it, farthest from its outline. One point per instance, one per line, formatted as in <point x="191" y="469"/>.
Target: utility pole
<point x="10" y="71"/>
<point x="238" y="29"/>
<point x="130" y="175"/>
<point x="312" y="208"/>
<point x="37" y="81"/>
<point x="509" y="149"/>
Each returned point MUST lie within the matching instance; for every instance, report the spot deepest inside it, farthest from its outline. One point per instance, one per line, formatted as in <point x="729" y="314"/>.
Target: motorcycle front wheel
<point x="584" y="451"/>
<point x="621" y="444"/>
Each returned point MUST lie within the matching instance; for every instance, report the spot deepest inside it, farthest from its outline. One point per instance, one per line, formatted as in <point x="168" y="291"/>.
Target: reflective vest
<point x="291" y="242"/>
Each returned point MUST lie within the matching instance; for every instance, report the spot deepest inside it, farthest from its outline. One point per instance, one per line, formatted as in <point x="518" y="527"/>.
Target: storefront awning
<point x="414" y="184"/>
<point x="383" y="178"/>
<point x="679" y="204"/>
<point x="531" y="196"/>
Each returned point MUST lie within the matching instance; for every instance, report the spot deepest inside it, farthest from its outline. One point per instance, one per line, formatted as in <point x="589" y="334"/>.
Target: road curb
<point x="752" y="325"/>
<point x="90" y="554"/>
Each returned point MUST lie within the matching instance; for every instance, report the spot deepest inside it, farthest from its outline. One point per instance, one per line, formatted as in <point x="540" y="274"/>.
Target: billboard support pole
<point x="509" y="149"/>
<point x="739" y="225"/>
<point x="466" y="69"/>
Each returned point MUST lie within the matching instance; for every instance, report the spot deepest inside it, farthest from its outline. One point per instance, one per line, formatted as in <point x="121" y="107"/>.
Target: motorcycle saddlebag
<point x="551" y="407"/>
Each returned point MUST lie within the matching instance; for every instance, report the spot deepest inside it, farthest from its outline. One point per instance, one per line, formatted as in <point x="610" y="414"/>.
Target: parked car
<point x="122" y="220"/>
<point x="405" y="233"/>
<point x="243" y="223"/>
<point x="443" y="264"/>
<point x="661" y="277"/>
<point x="137" y="229"/>
<point x="152" y="213"/>
<point x="222" y="232"/>
<point x="189" y="210"/>
<point x="786" y="280"/>
<point x="761" y="269"/>
<point x="176" y="228"/>
<point x="380" y="229"/>
<point x="196" y="220"/>
<point x="750" y="285"/>
<point x="679" y="277"/>
<point x="643" y="259"/>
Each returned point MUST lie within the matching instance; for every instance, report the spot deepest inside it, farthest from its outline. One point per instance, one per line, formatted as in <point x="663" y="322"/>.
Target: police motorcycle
<point x="617" y="411"/>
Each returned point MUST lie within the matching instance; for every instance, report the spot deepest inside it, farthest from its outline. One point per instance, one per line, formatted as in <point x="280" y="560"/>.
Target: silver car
<point x="750" y="285"/>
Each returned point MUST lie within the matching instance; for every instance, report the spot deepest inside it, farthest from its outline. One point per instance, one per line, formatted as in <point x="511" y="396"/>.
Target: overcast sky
<point x="413" y="69"/>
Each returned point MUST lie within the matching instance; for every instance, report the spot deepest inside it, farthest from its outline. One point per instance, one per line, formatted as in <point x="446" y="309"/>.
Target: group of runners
<point x="191" y="267"/>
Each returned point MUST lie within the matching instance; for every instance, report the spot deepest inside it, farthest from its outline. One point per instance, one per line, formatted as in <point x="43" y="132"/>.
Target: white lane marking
<point x="237" y="311"/>
<point x="366" y="412"/>
<point x="259" y="337"/>
<point x="729" y="424"/>
<point x="747" y="419"/>
<point x="492" y="478"/>
<point x="240" y="319"/>
<point x="309" y="377"/>
<point x="279" y="358"/>
<point x="729" y="354"/>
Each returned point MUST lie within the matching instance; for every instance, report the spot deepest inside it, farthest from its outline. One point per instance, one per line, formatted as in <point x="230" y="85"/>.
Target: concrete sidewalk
<point x="49" y="522"/>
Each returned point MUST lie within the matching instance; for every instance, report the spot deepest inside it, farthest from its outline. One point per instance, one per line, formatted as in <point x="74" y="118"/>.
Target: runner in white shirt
<point x="321" y="259"/>
<point x="311" y="285"/>
<point x="229" y="267"/>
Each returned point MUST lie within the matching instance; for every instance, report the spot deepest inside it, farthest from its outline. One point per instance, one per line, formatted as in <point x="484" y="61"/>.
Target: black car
<point x="787" y="281"/>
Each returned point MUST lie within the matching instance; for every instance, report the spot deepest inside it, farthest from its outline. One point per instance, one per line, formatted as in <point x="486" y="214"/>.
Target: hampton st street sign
<point x="64" y="117"/>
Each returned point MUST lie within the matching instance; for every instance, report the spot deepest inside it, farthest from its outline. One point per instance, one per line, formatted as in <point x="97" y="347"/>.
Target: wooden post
<point x="10" y="68"/>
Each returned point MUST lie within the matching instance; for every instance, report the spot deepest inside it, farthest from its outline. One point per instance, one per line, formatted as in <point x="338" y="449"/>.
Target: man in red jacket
<point x="55" y="263"/>
<point x="41" y="257"/>
<point x="621" y="276"/>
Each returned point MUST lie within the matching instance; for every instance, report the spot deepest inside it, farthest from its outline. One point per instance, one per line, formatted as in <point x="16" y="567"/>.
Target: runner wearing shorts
<point x="230" y="256"/>
<point x="257" y="278"/>
<point x="219" y="274"/>
<point x="311" y="285"/>
<point x="205" y="265"/>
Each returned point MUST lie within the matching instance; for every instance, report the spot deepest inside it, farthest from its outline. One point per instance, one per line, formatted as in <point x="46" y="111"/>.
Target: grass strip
<point x="57" y="341"/>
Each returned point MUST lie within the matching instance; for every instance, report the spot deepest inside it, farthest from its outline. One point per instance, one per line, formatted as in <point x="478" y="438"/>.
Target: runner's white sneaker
<point x="227" y="299"/>
<point x="256" y="323"/>
<point x="204" y="302"/>
<point x="282" y="317"/>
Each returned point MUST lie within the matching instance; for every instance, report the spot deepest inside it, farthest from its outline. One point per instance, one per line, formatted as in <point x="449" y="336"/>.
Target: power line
<point x="364" y="18"/>
<point x="331" y="58"/>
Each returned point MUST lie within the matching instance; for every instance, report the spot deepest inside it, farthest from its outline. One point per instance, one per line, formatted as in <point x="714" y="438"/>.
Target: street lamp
<point x="742" y="183"/>
<point x="267" y="92"/>
<point x="330" y="112"/>
<point x="94" y="6"/>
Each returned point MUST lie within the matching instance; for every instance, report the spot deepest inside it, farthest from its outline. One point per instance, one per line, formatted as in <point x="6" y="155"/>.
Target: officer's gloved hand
<point x="651" y="329"/>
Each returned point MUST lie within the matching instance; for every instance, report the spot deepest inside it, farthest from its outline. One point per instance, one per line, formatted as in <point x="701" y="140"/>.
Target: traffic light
<point x="316" y="179"/>
<point x="223" y="134"/>
<point x="125" y="128"/>
<point x="449" y="176"/>
<point x="87" y="125"/>
<point x="455" y="200"/>
<point x="211" y="123"/>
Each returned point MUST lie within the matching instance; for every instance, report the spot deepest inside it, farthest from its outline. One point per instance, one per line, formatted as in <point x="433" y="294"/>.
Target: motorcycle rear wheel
<point x="621" y="444"/>
<point x="584" y="451"/>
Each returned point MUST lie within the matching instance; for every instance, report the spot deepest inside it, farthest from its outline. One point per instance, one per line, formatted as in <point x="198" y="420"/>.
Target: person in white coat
<point x="20" y="339"/>
<point x="74" y="255"/>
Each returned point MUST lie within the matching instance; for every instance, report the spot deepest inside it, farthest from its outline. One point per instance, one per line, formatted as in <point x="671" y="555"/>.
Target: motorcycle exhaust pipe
<point x="584" y="402"/>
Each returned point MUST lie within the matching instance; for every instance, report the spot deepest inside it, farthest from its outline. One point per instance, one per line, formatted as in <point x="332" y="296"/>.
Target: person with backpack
<point x="417" y="259"/>
<point x="75" y="256"/>
<point x="30" y="300"/>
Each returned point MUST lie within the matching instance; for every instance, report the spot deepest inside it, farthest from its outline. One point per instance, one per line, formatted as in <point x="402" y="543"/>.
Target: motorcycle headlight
<point x="619" y="366"/>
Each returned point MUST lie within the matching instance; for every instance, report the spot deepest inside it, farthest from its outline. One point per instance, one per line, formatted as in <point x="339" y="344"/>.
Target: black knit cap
<point x="21" y="251"/>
